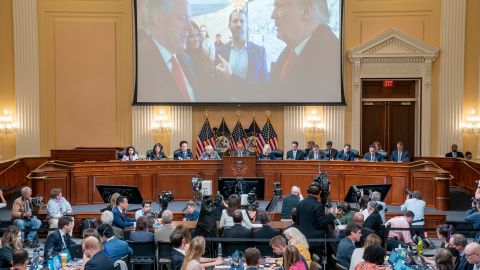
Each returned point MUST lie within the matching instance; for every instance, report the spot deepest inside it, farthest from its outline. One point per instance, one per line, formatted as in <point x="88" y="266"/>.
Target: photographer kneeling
<point x="473" y="216"/>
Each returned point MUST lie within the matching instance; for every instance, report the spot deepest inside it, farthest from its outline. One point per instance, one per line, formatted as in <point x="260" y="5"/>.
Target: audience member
<point x="290" y="201"/>
<point x="297" y="239"/>
<point x="374" y="220"/>
<point x="311" y="218"/>
<point x="130" y="154"/>
<point x="252" y="213"/>
<point x="376" y="196"/>
<point x="23" y="217"/>
<point x="237" y="230"/>
<point x="266" y="232"/>
<point x="279" y="246"/>
<point x="97" y="260"/>
<point x="357" y="255"/>
<point x="112" y="202"/>
<point x="226" y="219"/>
<point x="373" y="258"/>
<point x="444" y="232"/>
<point x="295" y="153"/>
<point x="91" y="232"/>
<point x="57" y="207"/>
<point x="113" y="247"/>
<point x="191" y="213"/>
<point x="358" y="219"/>
<point x="178" y="249"/>
<point x="183" y="153"/>
<point x="252" y="259"/>
<point x="472" y="253"/>
<point x="347" y="245"/>
<point x="346" y="154"/>
<point x="194" y="254"/>
<point x="107" y="218"/>
<point x="415" y="204"/>
<point x="292" y="259"/>
<point x="163" y="233"/>
<point x="459" y="242"/>
<point x="294" y="219"/>
<point x="209" y="153"/>
<point x="187" y="236"/>
<point x="141" y="233"/>
<point x="3" y="202"/>
<point x="444" y="260"/>
<point x="120" y="218"/>
<point x="11" y="241"/>
<point x="146" y="208"/>
<point x="396" y="237"/>
<point x="59" y="240"/>
<point x="157" y="153"/>
<point x="329" y="153"/>
<point x="344" y="213"/>
<point x="20" y="259"/>
<point x="400" y="155"/>
<point x="454" y="153"/>
<point x="473" y="216"/>
<point x="468" y="155"/>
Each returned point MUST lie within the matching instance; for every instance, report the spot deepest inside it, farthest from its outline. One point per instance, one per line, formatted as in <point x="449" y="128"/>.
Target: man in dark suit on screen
<point x="164" y="70"/>
<point x="295" y="153"/>
<point x="312" y="57"/>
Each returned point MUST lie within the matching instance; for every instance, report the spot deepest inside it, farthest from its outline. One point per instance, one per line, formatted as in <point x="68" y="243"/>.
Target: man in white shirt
<point x="146" y="207"/>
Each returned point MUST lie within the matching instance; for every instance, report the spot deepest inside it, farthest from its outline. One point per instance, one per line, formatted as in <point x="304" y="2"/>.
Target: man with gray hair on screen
<point x="312" y="57"/>
<point x="164" y="70"/>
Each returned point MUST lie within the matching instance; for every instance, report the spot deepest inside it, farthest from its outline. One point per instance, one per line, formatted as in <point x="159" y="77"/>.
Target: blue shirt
<point x="417" y="207"/>
<point x="193" y="216"/>
<point x="58" y="208"/>
<point x="238" y="61"/>
<point x="473" y="217"/>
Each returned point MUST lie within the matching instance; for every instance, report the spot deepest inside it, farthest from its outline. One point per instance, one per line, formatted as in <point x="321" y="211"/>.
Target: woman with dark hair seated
<point x="252" y="213"/>
<point x="141" y="233"/>
<point x="344" y="213"/>
<point x="10" y="242"/>
<point x="226" y="219"/>
<point x="373" y="258"/>
<point x="157" y="152"/>
<point x="130" y="154"/>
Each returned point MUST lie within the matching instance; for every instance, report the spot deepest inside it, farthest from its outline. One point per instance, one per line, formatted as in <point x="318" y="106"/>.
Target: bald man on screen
<point x="164" y="70"/>
<point x="311" y="60"/>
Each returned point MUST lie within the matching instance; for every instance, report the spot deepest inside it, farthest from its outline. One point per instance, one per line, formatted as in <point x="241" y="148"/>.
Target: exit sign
<point x="388" y="83"/>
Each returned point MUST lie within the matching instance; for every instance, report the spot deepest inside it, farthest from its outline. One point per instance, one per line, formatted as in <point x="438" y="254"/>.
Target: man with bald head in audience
<point x="163" y="233"/>
<point x="290" y="201"/>
<point x="472" y="253"/>
<point x="97" y="260"/>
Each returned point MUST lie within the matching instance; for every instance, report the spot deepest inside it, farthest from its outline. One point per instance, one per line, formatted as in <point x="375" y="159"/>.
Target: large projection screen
<point x="239" y="51"/>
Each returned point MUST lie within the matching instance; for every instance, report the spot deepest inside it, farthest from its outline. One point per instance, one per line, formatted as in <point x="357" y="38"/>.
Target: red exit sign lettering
<point x="388" y="83"/>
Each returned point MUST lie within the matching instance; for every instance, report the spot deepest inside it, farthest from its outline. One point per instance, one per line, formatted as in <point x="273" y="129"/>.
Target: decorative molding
<point x="142" y="137"/>
<point x="394" y="54"/>
<point x="294" y="126"/>
<point x="452" y="42"/>
<point x="181" y="127"/>
<point x="27" y="89"/>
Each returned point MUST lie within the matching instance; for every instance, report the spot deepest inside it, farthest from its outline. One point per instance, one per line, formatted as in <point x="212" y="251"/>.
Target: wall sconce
<point x="161" y="124"/>
<point x="7" y="125"/>
<point x="471" y="126"/>
<point x="314" y="124"/>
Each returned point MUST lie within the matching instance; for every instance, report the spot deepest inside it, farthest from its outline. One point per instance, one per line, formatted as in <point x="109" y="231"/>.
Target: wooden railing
<point x="13" y="173"/>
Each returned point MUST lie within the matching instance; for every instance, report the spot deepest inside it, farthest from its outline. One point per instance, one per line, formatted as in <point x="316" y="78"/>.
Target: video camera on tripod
<point x="321" y="180"/>
<point x="164" y="198"/>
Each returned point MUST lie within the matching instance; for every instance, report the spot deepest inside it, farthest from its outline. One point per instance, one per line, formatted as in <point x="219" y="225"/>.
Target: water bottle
<point x="219" y="250"/>
<point x="420" y="247"/>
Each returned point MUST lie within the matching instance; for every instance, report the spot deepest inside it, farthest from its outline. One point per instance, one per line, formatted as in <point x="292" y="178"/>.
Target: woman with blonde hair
<point x="357" y="255"/>
<point x="194" y="254"/>
<point x="296" y="238"/>
<point x="292" y="259"/>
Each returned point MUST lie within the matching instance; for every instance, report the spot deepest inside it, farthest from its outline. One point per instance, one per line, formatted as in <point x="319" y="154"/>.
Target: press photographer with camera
<point x="23" y="214"/>
<point x="473" y="216"/>
<point x="415" y="204"/>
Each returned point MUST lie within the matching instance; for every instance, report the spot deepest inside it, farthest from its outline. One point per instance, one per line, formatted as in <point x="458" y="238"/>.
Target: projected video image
<point x="238" y="51"/>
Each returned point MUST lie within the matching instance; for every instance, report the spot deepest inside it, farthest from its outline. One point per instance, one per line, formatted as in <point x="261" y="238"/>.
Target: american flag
<point x="255" y="132"/>
<point x="269" y="136"/>
<point x="223" y="130"/>
<point x="239" y="135"/>
<point x="204" y="138"/>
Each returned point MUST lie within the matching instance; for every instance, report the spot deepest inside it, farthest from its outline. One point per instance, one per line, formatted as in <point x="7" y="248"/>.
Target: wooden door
<point x="388" y="115"/>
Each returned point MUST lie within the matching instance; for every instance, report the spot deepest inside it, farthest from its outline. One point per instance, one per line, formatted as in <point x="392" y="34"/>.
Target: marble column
<point x="27" y="90"/>
<point x="181" y="127"/>
<point x="142" y="136"/>
<point x="294" y="126"/>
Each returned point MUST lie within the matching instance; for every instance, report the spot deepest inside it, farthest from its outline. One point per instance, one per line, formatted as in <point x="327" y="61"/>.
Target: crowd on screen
<point x="363" y="236"/>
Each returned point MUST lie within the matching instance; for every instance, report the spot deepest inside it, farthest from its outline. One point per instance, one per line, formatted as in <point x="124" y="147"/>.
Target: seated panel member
<point x="241" y="151"/>
<point x="329" y="153"/>
<point x="454" y="153"/>
<point x="372" y="154"/>
<point x="130" y="154"/>
<point x="157" y="153"/>
<point x="209" y="153"/>
<point x="266" y="153"/>
<point x="346" y="154"/>
<point x="382" y="153"/>
<point x="314" y="153"/>
<point x="310" y="145"/>
<point x="295" y="153"/>
<point x="183" y="153"/>
<point x="400" y="155"/>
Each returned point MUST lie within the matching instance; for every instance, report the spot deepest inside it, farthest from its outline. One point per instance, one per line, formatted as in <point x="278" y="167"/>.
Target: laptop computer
<point x="76" y="251"/>
<point x="393" y="258"/>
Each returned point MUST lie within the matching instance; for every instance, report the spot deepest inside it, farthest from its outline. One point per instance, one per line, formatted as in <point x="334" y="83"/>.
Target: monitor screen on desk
<point x="226" y="186"/>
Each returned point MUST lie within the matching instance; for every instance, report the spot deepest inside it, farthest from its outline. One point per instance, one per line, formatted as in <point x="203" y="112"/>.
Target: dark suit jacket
<point x="300" y="155"/>
<point x="288" y="203"/>
<point x="99" y="261"/>
<point x="404" y="158"/>
<point x="377" y="157"/>
<point x="155" y="81"/>
<point x="322" y="47"/>
<point x="236" y="231"/>
<point x="311" y="155"/>
<point x="311" y="218"/>
<point x="329" y="154"/>
<point x="245" y="153"/>
<point x="117" y="249"/>
<point x="270" y="156"/>
<point x="54" y="244"/>
<point x="374" y="222"/>
<point x="178" y="153"/>
<point x="450" y="154"/>
<point x="121" y="221"/>
<point x="266" y="232"/>
<point x="141" y="236"/>
<point x="176" y="259"/>
<point x="347" y="157"/>
<point x="462" y="264"/>
<point x="344" y="252"/>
